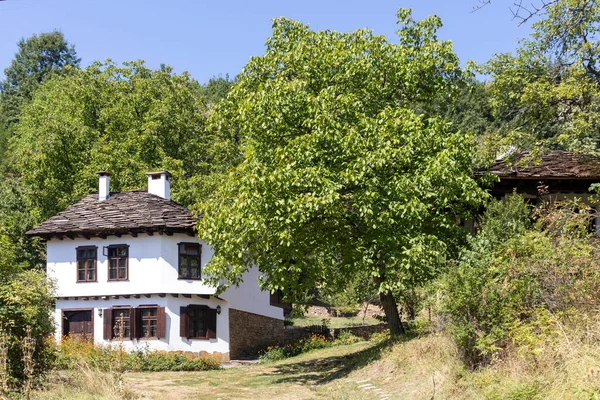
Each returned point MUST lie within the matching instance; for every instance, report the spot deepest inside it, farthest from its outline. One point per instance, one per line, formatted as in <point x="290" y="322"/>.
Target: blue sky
<point x="208" y="38"/>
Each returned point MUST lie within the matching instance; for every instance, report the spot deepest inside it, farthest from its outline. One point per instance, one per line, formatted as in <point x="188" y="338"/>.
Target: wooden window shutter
<point x="132" y="323"/>
<point x="184" y="322"/>
<point x="136" y="326"/>
<point x="211" y="330"/>
<point x="161" y="323"/>
<point x="107" y="315"/>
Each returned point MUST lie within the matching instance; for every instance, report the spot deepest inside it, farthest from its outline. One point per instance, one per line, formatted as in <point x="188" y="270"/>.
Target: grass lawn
<point x="326" y="373"/>
<point x="334" y="322"/>
<point x="320" y="374"/>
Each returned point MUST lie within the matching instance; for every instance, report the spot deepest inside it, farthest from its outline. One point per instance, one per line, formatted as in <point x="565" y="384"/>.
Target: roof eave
<point x="111" y="232"/>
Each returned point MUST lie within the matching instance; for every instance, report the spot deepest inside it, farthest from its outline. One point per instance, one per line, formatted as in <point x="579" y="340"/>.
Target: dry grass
<point x="84" y="382"/>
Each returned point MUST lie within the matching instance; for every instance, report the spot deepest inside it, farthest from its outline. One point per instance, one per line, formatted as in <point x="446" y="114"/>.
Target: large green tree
<point x="345" y="171"/>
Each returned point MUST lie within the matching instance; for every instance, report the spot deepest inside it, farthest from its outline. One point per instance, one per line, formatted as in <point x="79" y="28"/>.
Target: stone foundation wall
<point x="249" y="333"/>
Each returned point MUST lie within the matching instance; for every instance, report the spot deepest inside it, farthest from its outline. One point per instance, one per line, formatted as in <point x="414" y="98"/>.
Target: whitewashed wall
<point x="153" y="263"/>
<point x="172" y="341"/>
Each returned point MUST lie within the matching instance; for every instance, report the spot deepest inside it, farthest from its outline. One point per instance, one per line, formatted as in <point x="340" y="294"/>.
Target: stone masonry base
<point x="249" y="333"/>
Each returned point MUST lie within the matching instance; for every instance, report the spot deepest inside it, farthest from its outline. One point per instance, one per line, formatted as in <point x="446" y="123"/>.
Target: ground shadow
<point x="323" y="370"/>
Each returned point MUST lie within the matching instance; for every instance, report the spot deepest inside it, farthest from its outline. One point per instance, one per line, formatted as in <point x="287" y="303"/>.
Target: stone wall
<point x="249" y="333"/>
<point x="365" y="332"/>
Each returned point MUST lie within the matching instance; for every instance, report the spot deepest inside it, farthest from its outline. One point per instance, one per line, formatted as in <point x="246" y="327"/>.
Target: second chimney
<point x="159" y="184"/>
<point x="103" y="185"/>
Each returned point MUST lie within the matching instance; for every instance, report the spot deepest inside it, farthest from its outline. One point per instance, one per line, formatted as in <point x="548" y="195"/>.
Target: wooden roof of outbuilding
<point x="553" y="164"/>
<point x="131" y="212"/>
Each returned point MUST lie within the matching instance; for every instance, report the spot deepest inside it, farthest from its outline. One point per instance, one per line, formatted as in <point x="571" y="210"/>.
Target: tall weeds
<point x="4" y="372"/>
<point x="28" y="349"/>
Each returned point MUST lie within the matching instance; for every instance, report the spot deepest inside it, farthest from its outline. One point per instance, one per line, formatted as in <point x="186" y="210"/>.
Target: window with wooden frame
<point x="86" y="263"/>
<point x="190" y="255"/>
<point x="198" y="322"/>
<point x="120" y="322"/>
<point x="143" y="322"/>
<point x="150" y="322"/>
<point x="118" y="262"/>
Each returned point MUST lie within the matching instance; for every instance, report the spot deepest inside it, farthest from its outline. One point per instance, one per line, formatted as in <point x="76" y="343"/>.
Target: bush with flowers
<point x="275" y="353"/>
<point x="71" y="352"/>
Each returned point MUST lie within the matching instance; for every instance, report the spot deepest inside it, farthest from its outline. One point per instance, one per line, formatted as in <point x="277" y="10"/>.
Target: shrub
<point x="275" y="353"/>
<point x="72" y="352"/>
<point x="26" y="301"/>
<point x="346" y="337"/>
<point x="380" y="337"/>
<point x="511" y="289"/>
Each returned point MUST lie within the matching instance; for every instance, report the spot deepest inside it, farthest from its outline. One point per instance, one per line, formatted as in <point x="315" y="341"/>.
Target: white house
<point x="132" y="259"/>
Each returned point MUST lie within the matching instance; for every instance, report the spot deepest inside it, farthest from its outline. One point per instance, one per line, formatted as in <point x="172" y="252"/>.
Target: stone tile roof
<point x="553" y="164"/>
<point x="131" y="212"/>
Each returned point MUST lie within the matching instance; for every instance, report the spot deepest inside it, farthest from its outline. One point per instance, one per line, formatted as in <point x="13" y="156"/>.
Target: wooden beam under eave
<point x="169" y="233"/>
<point x="136" y="296"/>
<point x="203" y="296"/>
<point x="161" y="295"/>
<point x="85" y="298"/>
<point x="71" y="237"/>
<point x="95" y="297"/>
<point x="118" y="234"/>
<point x="190" y="234"/>
<point x="126" y="296"/>
<point x="85" y="235"/>
<point x="148" y="295"/>
<point x="188" y="296"/>
<point x="149" y="233"/>
<point x="174" y="295"/>
<point x="134" y="234"/>
<point x="115" y="297"/>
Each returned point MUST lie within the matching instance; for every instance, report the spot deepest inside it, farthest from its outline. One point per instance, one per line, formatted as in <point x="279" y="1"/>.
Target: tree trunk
<point x="388" y="302"/>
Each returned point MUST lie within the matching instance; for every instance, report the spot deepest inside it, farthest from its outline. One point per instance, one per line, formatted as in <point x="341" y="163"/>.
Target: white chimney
<point x="103" y="185"/>
<point x="159" y="184"/>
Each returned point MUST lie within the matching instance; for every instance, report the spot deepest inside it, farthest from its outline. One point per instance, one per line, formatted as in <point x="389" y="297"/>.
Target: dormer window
<point x="118" y="262"/>
<point x="86" y="263"/>
<point x="189" y="260"/>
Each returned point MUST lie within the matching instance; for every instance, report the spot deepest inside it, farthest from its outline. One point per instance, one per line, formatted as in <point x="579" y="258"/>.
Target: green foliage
<point x="72" y="352"/>
<point x="128" y="120"/>
<point x="39" y="58"/>
<point x="216" y="88"/>
<point x="340" y="176"/>
<point x="345" y="338"/>
<point x="511" y="289"/>
<point x="276" y="353"/>
<point x="547" y="94"/>
<point x="26" y="301"/>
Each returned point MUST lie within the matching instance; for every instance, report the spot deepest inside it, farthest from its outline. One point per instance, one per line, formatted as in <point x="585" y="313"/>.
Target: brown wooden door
<point x="79" y="324"/>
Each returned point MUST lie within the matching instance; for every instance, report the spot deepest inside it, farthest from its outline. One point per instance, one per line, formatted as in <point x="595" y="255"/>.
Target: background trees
<point x="547" y="94"/>
<point x="345" y="168"/>
<point x="128" y="120"/>
<point x="39" y="57"/>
